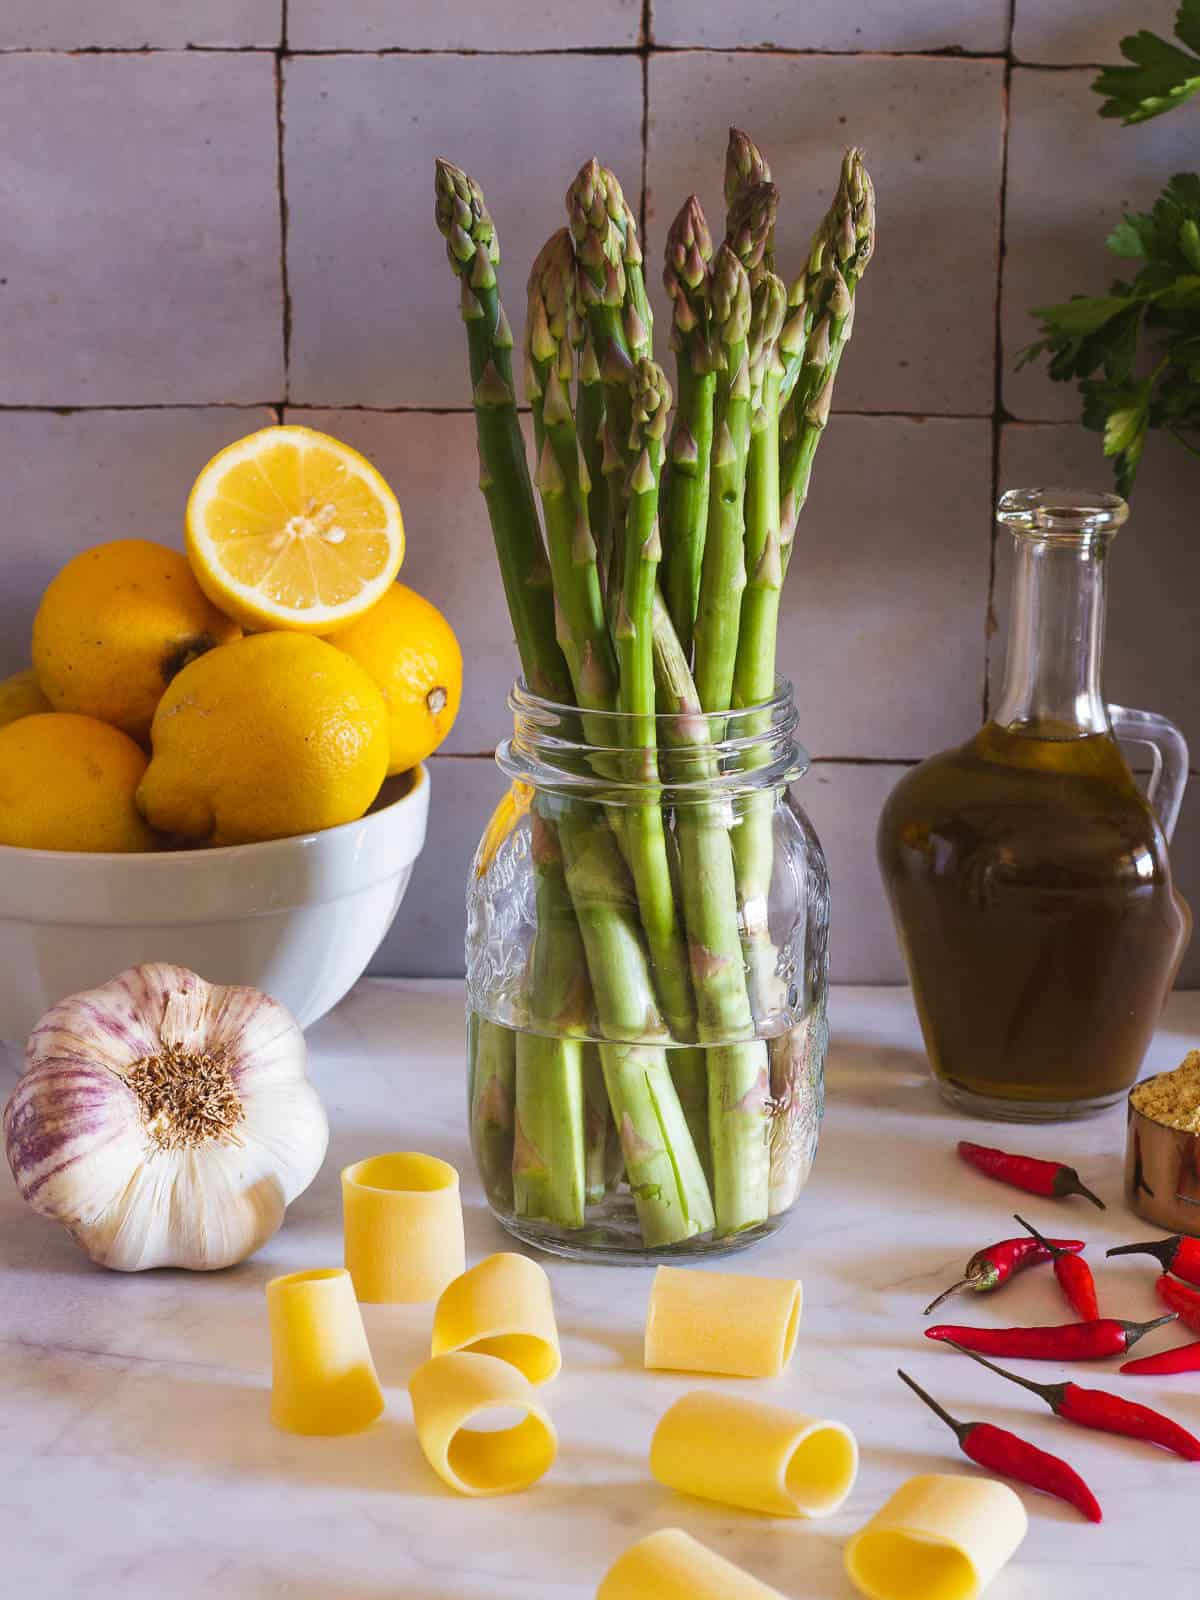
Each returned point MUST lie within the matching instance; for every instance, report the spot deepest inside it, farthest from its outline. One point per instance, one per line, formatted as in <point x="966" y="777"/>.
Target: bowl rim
<point x="418" y="775"/>
<point x="1144" y="1116"/>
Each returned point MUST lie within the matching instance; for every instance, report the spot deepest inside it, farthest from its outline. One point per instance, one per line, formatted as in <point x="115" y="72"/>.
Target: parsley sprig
<point x="1135" y="351"/>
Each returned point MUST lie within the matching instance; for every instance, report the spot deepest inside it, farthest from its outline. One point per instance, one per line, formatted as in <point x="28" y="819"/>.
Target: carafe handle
<point x="1169" y="778"/>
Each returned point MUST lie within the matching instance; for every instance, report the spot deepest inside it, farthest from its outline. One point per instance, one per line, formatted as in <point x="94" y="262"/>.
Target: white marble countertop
<point x="136" y="1458"/>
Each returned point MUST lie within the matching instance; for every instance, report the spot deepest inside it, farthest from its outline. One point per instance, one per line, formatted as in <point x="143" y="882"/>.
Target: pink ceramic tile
<point x="899" y="25"/>
<point x="462" y="25"/>
<point x="428" y="936"/>
<point x="374" y="304"/>
<point x="133" y="24"/>
<point x="142" y="259"/>
<point x="932" y="133"/>
<point x="77" y="480"/>
<point x="883" y="623"/>
<point x="843" y="803"/>
<point x="1069" y="31"/>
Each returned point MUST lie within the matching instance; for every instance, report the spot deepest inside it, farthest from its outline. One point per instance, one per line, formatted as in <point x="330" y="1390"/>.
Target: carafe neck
<point x="1052" y="679"/>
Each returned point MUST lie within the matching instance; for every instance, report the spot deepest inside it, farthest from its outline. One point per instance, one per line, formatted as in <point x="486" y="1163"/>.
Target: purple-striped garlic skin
<point x="165" y="1121"/>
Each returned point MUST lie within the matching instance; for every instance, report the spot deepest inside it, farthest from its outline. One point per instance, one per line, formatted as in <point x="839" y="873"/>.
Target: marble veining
<point x="136" y="1458"/>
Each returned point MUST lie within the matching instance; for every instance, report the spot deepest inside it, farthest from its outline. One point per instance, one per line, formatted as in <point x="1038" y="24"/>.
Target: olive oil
<point x="1032" y="893"/>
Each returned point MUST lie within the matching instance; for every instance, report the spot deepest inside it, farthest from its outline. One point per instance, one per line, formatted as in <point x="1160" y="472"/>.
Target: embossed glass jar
<point x="647" y="1050"/>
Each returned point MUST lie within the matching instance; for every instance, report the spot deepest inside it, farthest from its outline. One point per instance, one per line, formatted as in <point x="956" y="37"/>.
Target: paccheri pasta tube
<point x="937" y="1538"/>
<point x="721" y="1322"/>
<point x="448" y="1393"/>
<point x="671" y="1565"/>
<point x="402" y="1215"/>
<point x="741" y="1453"/>
<point x="501" y="1307"/>
<point x="322" y="1376"/>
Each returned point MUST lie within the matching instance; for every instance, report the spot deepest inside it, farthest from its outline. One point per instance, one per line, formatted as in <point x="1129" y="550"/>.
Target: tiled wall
<point x="218" y="214"/>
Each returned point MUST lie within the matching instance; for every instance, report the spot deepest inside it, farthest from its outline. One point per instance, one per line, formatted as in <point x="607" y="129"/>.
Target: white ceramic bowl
<point x="299" y="918"/>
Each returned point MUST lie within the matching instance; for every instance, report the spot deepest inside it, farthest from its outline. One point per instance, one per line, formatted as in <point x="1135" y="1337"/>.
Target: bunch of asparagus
<point x="649" y="586"/>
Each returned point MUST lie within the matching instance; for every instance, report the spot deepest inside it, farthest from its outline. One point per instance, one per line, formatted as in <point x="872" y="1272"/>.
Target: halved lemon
<point x="289" y="528"/>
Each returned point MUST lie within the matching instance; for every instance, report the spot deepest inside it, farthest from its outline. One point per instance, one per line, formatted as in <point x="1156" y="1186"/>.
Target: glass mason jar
<point x="647" y="970"/>
<point x="1028" y="874"/>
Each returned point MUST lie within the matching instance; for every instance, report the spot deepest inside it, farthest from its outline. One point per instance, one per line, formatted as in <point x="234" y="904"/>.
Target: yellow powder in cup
<point x="1173" y="1098"/>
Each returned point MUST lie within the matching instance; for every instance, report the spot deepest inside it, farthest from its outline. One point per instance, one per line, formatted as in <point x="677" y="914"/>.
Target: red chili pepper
<point x="1048" y="1178"/>
<point x="1074" y="1276"/>
<point x="1177" y="1254"/>
<point x="1072" y="1341"/>
<point x="1107" y="1413"/>
<point x="990" y="1268"/>
<point x="1183" y="1358"/>
<point x="1181" y="1299"/>
<point x="1012" y="1457"/>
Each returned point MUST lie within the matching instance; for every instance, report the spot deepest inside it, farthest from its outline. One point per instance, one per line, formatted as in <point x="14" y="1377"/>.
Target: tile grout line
<point x="285" y="287"/>
<point x="998" y="414"/>
<point x="428" y="410"/>
<point x="946" y="53"/>
<point x="646" y="51"/>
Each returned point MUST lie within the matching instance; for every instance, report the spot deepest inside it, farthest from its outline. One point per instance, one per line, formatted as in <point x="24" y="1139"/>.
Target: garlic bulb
<point x="165" y="1121"/>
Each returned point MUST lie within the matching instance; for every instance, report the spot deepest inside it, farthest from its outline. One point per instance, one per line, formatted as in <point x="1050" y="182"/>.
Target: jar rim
<point x="695" y="755"/>
<point x="1061" y="512"/>
<point x="522" y="701"/>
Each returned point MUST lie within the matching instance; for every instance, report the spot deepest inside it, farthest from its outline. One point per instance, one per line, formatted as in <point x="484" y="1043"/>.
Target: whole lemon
<point x="272" y="735"/>
<point x="116" y="625"/>
<point x="68" y="783"/>
<point x="410" y="650"/>
<point x="21" y="696"/>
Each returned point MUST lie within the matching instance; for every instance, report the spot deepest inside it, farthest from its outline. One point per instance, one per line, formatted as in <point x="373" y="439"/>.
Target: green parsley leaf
<point x="1162" y="75"/>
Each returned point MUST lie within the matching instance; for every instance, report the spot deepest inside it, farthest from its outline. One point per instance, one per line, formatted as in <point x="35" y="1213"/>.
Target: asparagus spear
<point x="590" y="425"/>
<point x="473" y="251"/>
<point x="737" y="1072"/>
<point x="548" y="1177"/>
<point x="605" y="249"/>
<point x="597" y="1124"/>
<point x="562" y="478"/>
<point x="560" y="996"/>
<point x="750" y="226"/>
<point x="723" y="573"/>
<point x="754" y="667"/>
<point x="844" y="245"/>
<point x="601" y="287"/>
<point x="745" y="168"/>
<point x="491" y="1058"/>
<point x="645" y="832"/>
<point x="639" y="327"/>
<point x="686" y="474"/>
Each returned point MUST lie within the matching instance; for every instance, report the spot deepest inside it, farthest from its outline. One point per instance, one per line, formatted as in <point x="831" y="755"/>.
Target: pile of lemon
<point x="263" y="685"/>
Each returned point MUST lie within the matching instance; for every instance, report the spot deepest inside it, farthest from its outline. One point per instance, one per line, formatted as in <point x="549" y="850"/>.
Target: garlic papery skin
<point x="165" y="1121"/>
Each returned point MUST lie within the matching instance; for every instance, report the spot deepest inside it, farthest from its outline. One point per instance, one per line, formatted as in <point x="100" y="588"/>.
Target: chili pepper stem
<point x="1163" y="1249"/>
<point x="959" y="1429"/>
<point x="1071" y="1183"/>
<point x="963" y="1283"/>
<point x="1046" y="1244"/>
<point x="1138" y="1330"/>
<point x="1044" y="1391"/>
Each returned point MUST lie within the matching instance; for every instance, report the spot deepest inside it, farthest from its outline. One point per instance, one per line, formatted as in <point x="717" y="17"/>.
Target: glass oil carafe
<point x="1028" y="876"/>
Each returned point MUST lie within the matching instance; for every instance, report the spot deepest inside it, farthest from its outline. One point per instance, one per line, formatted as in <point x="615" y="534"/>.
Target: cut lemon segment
<point x="289" y="528"/>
